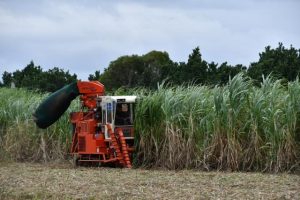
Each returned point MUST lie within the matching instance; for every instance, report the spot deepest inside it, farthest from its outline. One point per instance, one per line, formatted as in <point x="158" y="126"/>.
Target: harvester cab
<point x="118" y="111"/>
<point x="103" y="128"/>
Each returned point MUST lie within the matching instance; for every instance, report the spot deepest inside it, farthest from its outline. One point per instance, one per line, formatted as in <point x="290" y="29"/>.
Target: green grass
<point x="20" y="139"/>
<point x="234" y="127"/>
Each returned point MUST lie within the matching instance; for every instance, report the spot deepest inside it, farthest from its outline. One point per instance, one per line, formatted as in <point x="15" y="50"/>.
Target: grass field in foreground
<point x="62" y="181"/>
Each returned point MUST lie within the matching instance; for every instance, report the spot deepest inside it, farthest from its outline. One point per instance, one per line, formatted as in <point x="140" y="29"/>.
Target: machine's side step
<point x="101" y="158"/>
<point x="115" y="145"/>
<point x="103" y="161"/>
<point x="122" y="153"/>
<point x="124" y="148"/>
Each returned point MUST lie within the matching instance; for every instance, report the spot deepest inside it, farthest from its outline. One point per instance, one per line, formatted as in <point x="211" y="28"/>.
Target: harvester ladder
<point x="124" y="148"/>
<point x="115" y="145"/>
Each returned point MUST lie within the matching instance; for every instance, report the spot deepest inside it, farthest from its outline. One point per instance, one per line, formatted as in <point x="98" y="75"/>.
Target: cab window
<point x="103" y="116"/>
<point x="123" y="114"/>
<point x="109" y="113"/>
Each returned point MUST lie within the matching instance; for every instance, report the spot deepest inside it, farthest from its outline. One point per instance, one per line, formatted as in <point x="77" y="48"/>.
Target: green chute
<point x="55" y="105"/>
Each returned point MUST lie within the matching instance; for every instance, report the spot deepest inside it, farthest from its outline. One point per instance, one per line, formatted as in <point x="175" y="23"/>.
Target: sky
<point x="85" y="36"/>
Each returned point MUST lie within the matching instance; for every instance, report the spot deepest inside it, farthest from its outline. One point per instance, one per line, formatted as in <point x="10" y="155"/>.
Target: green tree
<point x="136" y="71"/>
<point x="7" y="78"/>
<point x="212" y="73"/>
<point x="95" y="77"/>
<point x="33" y="77"/>
<point x="225" y="71"/>
<point x="281" y="62"/>
<point x="154" y="65"/>
<point x="196" y="69"/>
<point x="125" y="71"/>
<point x="55" y="78"/>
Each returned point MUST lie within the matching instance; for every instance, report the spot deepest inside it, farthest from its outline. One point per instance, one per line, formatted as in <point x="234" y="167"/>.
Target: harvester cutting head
<point x="102" y="130"/>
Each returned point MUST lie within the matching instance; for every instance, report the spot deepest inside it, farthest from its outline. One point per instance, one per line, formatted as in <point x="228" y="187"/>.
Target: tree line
<point x="34" y="77"/>
<point x="156" y="67"/>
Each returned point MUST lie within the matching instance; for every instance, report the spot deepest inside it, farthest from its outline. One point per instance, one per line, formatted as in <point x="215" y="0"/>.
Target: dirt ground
<point x="62" y="181"/>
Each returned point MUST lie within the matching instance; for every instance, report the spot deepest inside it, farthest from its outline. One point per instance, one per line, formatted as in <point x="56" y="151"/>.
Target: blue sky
<point x="84" y="36"/>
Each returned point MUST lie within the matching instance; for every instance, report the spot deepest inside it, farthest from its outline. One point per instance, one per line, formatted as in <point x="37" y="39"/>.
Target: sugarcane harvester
<point x="102" y="131"/>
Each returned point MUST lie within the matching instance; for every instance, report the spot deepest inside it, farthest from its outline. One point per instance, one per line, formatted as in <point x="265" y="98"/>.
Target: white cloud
<point x="83" y="36"/>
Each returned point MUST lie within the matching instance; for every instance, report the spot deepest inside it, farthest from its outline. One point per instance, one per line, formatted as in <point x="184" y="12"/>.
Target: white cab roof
<point x="123" y="99"/>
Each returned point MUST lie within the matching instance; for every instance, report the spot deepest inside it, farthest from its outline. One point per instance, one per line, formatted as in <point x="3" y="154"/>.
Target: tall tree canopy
<point x="196" y="69"/>
<point x="281" y="62"/>
<point x="33" y="77"/>
<point x="156" y="66"/>
<point x="135" y="71"/>
<point x="94" y="77"/>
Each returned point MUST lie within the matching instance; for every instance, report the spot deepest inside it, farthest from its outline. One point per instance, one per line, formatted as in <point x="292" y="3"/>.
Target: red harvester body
<point x="102" y="131"/>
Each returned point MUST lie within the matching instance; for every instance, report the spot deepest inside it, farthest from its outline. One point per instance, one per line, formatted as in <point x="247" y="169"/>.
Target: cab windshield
<point x="124" y="114"/>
